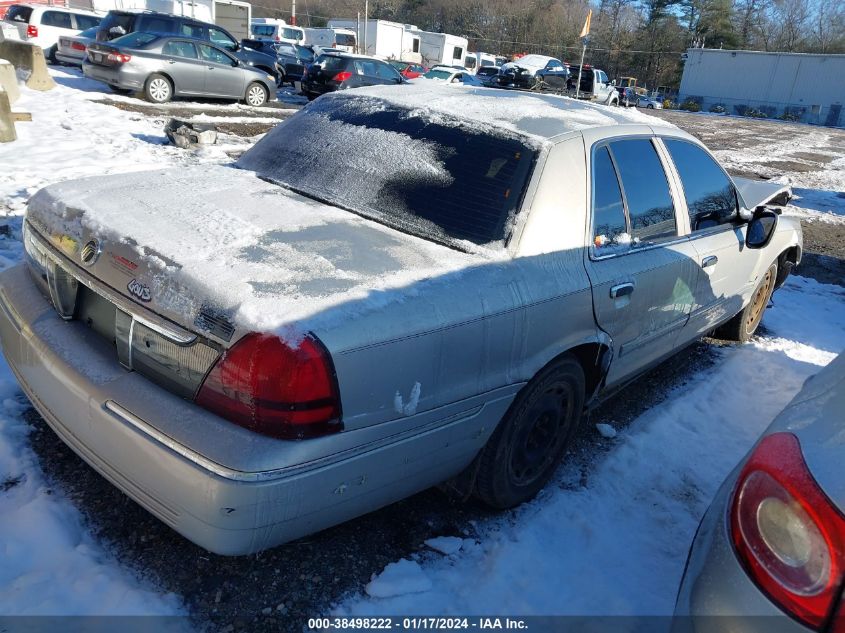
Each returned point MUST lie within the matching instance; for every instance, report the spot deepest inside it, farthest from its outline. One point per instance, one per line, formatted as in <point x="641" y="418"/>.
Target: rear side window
<point x="135" y="40"/>
<point x="458" y="53"/>
<point x="292" y="34"/>
<point x="264" y="30"/>
<point x="646" y="189"/>
<point x="18" y="13"/>
<point x="154" y="24"/>
<point x="56" y="18"/>
<point x="85" y="22"/>
<point x="180" y="49"/>
<point x="710" y="196"/>
<point x="345" y="39"/>
<point x="366" y="67"/>
<point x="194" y="30"/>
<point x="608" y="210"/>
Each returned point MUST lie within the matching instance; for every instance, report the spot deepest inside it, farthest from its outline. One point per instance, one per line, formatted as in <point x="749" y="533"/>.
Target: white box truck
<point x="442" y="49"/>
<point x="339" y="38"/>
<point x="384" y="39"/>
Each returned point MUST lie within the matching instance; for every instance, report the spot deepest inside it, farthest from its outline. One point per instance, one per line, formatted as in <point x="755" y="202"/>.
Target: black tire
<point x="120" y="91"/>
<point x="50" y="55"/>
<point x="256" y="94"/>
<point x="743" y="325"/>
<point x="527" y="445"/>
<point x="158" y="89"/>
<point x="650" y="106"/>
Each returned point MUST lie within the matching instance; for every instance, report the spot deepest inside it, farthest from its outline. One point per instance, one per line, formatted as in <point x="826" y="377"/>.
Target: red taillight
<point x="787" y="533"/>
<point x="77" y="46"/>
<point x="32" y="31"/>
<point x="343" y="75"/>
<point x="119" y="58"/>
<point x="271" y="387"/>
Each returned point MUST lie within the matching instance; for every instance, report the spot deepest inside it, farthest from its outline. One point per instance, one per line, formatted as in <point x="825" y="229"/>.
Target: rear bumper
<point x="128" y="429"/>
<point x="69" y="59"/>
<point x="119" y="77"/>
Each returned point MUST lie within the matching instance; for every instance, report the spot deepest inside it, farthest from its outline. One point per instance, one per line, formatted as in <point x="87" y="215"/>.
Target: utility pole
<point x="293" y="12"/>
<point x="366" y="22"/>
<point x="358" y="32"/>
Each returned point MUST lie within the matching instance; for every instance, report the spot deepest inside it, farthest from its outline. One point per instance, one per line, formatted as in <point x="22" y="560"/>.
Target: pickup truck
<point x="595" y="86"/>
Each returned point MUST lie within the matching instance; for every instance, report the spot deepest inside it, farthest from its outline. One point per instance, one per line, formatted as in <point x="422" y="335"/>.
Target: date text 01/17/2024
<point x="416" y="623"/>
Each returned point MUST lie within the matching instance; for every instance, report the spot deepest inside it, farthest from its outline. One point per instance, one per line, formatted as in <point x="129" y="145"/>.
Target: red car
<point x="409" y="70"/>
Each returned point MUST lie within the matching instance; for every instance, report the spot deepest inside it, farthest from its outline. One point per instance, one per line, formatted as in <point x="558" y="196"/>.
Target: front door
<point x="642" y="272"/>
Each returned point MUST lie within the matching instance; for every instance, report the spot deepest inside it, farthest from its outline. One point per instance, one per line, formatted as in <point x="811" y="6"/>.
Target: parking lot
<point x="280" y="588"/>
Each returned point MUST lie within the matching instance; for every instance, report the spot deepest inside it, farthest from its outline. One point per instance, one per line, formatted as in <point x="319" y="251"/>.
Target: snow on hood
<point x="533" y="116"/>
<point x="266" y="256"/>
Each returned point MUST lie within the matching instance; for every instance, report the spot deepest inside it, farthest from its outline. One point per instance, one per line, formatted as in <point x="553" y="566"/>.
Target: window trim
<point x="681" y="224"/>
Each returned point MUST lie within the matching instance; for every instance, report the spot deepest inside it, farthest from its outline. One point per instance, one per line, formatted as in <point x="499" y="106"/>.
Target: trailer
<point x="442" y="49"/>
<point x="383" y="39"/>
<point x="331" y="37"/>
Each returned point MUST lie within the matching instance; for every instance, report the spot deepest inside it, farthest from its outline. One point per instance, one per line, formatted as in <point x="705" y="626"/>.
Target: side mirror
<point x="761" y="228"/>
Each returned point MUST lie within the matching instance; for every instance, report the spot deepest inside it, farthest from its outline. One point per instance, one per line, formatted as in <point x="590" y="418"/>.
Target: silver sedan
<point x="773" y="541"/>
<point x="384" y="295"/>
<point x="163" y="67"/>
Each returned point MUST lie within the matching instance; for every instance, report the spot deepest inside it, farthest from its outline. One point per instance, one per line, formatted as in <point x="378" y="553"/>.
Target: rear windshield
<point x="330" y="62"/>
<point x="436" y="179"/>
<point x="264" y="30"/>
<point x="18" y="13"/>
<point x="344" y="39"/>
<point x="135" y="40"/>
<point x="488" y="70"/>
<point x="116" y="24"/>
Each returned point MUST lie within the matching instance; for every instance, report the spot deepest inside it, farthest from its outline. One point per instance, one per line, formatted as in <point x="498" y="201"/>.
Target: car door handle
<point x="621" y="290"/>
<point x="709" y="261"/>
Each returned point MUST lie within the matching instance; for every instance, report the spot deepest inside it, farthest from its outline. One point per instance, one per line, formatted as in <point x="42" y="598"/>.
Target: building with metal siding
<point x="796" y="86"/>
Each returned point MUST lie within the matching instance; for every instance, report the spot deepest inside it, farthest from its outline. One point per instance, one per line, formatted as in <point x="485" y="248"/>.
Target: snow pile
<point x="618" y="545"/>
<point x="50" y="563"/>
<point x="399" y="579"/>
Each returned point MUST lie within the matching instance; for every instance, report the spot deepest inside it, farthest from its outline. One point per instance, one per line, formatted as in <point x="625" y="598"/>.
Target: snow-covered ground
<point x="614" y="545"/>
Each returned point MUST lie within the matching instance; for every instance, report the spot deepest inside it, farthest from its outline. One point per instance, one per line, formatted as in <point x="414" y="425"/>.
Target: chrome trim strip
<point x="158" y="324"/>
<point x="277" y="473"/>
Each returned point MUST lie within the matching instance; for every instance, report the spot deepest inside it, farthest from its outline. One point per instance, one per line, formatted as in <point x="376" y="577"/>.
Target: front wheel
<point x="742" y="326"/>
<point x="523" y="452"/>
<point x="158" y="89"/>
<point x="256" y="95"/>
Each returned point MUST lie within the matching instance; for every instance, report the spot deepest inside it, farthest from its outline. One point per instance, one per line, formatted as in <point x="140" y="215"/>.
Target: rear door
<point x="182" y="63"/>
<point x="642" y="268"/>
<point x="726" y="267"/>
<point x="223" y="75"/>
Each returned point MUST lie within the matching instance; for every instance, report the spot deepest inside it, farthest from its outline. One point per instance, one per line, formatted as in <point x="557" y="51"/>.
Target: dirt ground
<point x="280" y="589"/>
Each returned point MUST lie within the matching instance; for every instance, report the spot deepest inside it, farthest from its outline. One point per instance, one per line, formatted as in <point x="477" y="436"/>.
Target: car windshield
<point x="438" y="74"/>
<point x="439" y="180"/>
<point x="134" y="40"/>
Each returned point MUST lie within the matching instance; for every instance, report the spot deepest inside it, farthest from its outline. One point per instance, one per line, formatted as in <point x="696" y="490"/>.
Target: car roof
<point x="541" y="116"/>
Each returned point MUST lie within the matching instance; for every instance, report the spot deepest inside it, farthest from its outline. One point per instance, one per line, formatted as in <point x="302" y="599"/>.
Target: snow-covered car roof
<point x="534" y="61"/>
<point x="540" y="116"/>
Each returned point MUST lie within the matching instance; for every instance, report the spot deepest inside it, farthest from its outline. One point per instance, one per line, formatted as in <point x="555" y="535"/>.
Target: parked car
<point x="487" y="75"/>
<point x="534" y="71"/>
<point x="166" y="66"/>
<point x="42" y="24"/>
<point x="450" y="75"/>
<point x="651" y="103"/>
<point x="292" y="58"/>
<point x="627" y="97"/>
<point x="771" y="543"/>
<point x="407" y="69"/>
<point x="340" y="71"/>
<point x="382" y="296"/>
<point x="70" y="49"/>
<point x="118" y="23"/>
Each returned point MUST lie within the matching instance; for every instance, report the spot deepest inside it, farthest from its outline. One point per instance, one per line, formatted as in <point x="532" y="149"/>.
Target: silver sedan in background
<point x="773" y="541"/>
<point x="163" y="67"/>
<point x="70" y="49"/>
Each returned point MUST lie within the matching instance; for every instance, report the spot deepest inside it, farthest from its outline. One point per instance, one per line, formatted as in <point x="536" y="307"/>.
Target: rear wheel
<point x="742" y="327"/>
<point x="50" y="54"/>
<point x="158" y="89"/>
<point x="650" y="106"/>
<point x="256" y="95"/>
<point x="523" y="452"/>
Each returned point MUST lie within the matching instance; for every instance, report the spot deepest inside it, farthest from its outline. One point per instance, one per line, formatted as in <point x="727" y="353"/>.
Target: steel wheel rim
<point x="255" y="96"/>
<point x="758" y="303"/>
<point x="535" y="444"/>
<point x="159" y="89"/>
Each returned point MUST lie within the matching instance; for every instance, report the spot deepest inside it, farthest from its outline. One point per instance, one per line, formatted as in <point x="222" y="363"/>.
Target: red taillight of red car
<point x="119" y="58"/>
<point x="343" y="75"/>
<point x="32" y="31"/>
<point x="77" y="46"/>
<point x="787" y="533"/>
<point x="275" y="388"/>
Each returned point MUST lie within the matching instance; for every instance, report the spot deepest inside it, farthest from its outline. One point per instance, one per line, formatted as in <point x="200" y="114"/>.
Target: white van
<point x="341" y="39"/>
<point x="474" y="61"/>
<point x="43" y="24"/>
<point x="276" y="30"/>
